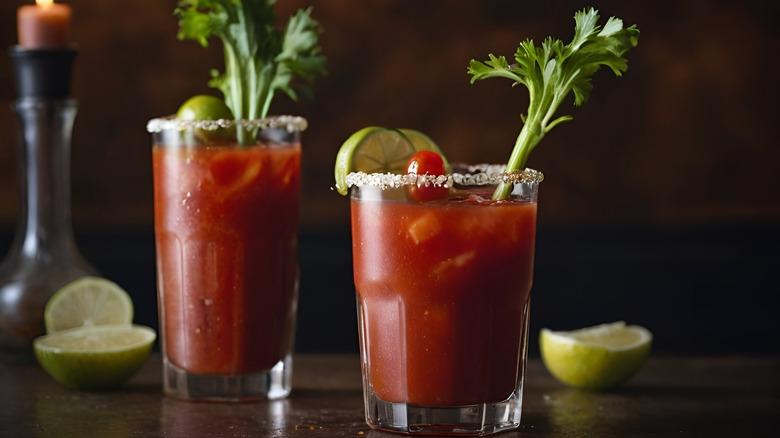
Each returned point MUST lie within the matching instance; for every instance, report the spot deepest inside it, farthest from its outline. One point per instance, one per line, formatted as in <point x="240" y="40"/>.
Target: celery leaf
<point x="553" y="70"/>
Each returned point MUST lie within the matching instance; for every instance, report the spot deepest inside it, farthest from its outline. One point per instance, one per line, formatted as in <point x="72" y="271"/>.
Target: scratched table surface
<point x="671" y="396"/>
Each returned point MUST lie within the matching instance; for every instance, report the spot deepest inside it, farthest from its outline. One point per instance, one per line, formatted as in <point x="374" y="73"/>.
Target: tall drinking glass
<point x="443" y="297"/>
<point x="226" y="219"/>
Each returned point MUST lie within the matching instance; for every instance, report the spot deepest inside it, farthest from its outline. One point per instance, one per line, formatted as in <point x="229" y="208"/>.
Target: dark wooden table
<point x="688" y="397"/>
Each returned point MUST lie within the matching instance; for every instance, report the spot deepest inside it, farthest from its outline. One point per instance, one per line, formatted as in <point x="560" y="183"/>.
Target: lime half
<point x="88" y="301"/>
<point x="597" y="358"/>
<point x="94" y="358"/>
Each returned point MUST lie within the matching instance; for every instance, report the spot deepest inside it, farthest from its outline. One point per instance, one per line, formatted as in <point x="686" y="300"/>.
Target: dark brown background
<point x="660" y="203"/>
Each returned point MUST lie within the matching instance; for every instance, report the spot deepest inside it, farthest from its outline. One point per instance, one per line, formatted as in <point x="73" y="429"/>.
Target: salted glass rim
<point x="467" y="175"/>
<point x="290" y="123"/>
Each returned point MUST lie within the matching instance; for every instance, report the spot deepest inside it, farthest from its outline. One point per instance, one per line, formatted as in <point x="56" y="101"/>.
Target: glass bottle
<point x="43" y="255"/>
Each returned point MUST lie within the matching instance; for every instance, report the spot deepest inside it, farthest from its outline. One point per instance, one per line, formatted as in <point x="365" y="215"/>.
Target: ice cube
<point x="457" y="262"/>
<point x="424" y="227"/>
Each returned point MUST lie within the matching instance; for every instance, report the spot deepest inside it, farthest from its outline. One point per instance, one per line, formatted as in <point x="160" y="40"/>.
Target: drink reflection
<point x="183" y="419"/>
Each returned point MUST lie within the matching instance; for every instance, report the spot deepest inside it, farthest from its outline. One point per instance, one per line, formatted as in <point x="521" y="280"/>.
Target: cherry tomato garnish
<point x="426" y="163"/>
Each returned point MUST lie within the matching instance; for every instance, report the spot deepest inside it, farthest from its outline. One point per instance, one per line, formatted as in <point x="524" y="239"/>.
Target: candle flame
<point x="44" y="3"/>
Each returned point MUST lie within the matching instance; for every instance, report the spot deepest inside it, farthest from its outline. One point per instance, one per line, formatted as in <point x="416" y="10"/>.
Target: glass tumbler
<point x="443" y="293"/>
<point x="226" y="217"/>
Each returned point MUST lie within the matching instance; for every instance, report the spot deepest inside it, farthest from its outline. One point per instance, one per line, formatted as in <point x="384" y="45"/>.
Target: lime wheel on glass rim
<point x="207" y="107"/>
<point x="380" y="150"/>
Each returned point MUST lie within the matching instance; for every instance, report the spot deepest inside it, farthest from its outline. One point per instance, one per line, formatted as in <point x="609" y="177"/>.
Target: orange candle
<point x="44" y="25"/>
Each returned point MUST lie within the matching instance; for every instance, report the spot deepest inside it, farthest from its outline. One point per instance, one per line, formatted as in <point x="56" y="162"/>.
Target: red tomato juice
<point x="443" y="289"/>
<point x="225" y="227"/>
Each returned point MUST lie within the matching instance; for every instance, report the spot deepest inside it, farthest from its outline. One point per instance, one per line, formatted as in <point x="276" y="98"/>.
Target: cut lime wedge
<point x="94" y="358"/>
<point x="88" y="301"/>
<point x="597" y="358"/>
<point x="372" y="150"/>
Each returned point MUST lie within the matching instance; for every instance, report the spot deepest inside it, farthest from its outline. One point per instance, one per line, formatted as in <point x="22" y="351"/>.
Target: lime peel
<point x="601" y="357"/>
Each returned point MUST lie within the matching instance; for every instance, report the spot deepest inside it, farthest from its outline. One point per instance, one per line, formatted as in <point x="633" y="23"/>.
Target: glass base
<point x="271" y="384"/>
<point x="474" y="420"/>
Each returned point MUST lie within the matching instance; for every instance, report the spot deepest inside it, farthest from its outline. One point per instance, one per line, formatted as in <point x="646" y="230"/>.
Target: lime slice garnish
<point x="88" y="301"/>
<point x="372" y="150"/>
<point x="204" y="107"/>
<point x="422" y="142"/>
<point x="598" y="358"/>
<point x="94" y="358"/>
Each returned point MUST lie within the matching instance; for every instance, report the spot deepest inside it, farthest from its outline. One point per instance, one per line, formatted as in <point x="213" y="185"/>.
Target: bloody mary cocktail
<point x="443" y="295"/>
<point x="225" y="226"/>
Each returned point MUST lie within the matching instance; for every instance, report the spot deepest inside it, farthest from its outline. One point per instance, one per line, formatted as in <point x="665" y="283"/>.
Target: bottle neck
<point x="44" y="228"/>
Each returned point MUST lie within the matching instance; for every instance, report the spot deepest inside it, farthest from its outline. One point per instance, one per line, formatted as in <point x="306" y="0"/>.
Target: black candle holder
<point x="42" y="73"/>
<point x="43" y="256"/>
